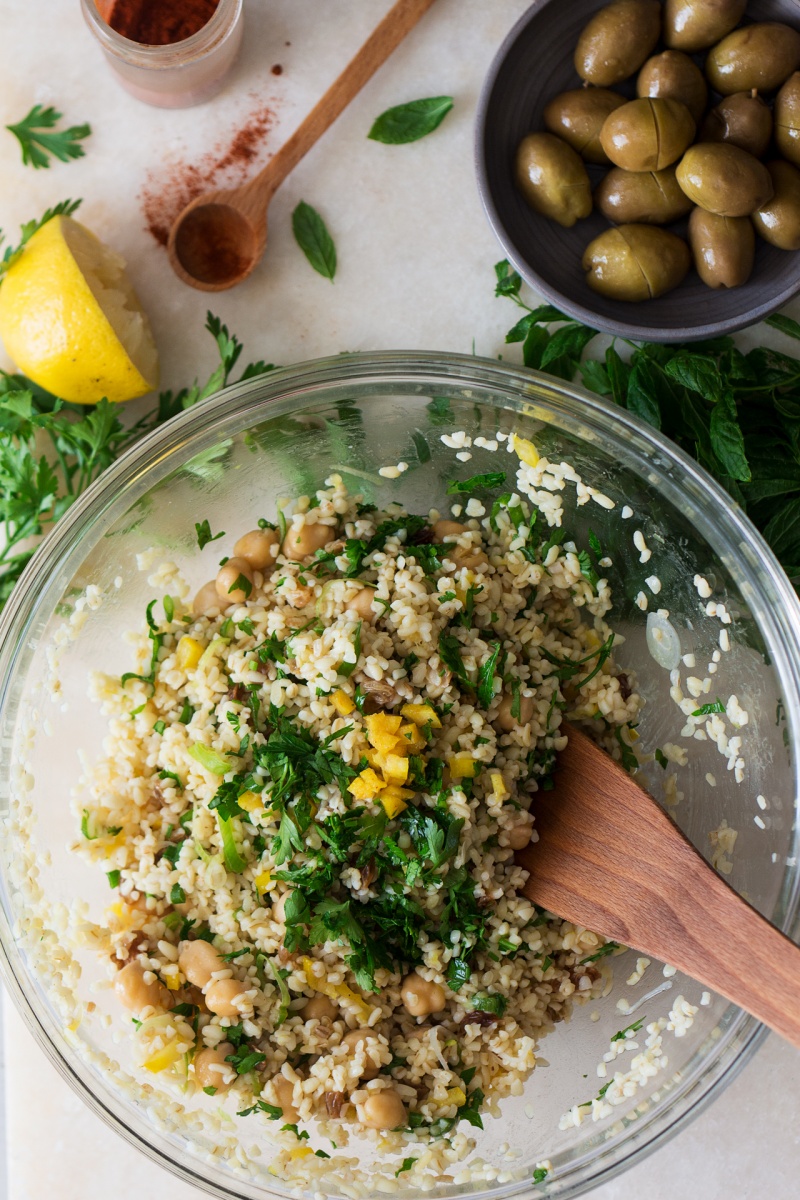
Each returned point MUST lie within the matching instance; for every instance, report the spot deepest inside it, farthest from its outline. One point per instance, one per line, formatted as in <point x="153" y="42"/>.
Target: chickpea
<point x="384" y="1110"/>
<point x="284" y="1094"/>
<point x="421" y="997"/>
<point x="319" y="1008"/>
<point x="134" y="994"/>
<point x="361" y="604"/>
<point x="198" y="961"/>
<point x="354" y="1040"/>
<point x="221" y="994"/>
<point x="444" y="528"/>
<point x="259" y="547"/>
<point x="299" y="543"/>
<point x="468" y="556"/>
<point x="207" y="600"/>
<point x="211" y="1070"/>
<point x="506" y="721"/>
<point x="228" y="575"/>
<point x="519" y="836"/>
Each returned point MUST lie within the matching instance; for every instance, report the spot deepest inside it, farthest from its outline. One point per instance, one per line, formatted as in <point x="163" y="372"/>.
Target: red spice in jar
<point x="160" y="22"/>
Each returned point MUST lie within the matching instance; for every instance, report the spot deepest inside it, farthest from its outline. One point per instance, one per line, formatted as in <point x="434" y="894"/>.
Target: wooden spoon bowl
<point x="609" y="858"/>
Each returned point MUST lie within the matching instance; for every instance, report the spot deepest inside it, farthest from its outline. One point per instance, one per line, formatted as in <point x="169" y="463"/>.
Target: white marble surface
<point x="415" y="271"/>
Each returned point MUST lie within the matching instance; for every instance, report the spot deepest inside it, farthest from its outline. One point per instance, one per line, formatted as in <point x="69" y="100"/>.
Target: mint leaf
<point x="311" y="235"/>
<point x="410" y="122"/>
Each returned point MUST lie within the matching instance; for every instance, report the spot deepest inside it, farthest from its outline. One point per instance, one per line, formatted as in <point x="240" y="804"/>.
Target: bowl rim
<point x="742" y="1034"/>
<point x="594" y="318"/>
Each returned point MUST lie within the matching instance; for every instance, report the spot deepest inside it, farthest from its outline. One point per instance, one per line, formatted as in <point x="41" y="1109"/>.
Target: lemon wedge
<point x="71" y="321"/>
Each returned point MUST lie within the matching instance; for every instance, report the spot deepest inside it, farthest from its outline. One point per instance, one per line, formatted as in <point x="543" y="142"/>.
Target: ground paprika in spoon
<point x="159" y="22"/>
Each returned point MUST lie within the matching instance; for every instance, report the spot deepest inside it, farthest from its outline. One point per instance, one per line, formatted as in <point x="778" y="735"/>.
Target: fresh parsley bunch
<point x="51" y="451"/>
<point x="738" y="414"/>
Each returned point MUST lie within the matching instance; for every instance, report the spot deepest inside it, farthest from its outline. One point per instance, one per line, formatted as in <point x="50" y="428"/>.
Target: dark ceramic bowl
<point x="533" y="64"/>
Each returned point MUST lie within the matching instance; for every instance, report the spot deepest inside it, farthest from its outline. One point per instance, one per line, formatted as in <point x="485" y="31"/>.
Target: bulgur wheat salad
<point x="313" y="789"/>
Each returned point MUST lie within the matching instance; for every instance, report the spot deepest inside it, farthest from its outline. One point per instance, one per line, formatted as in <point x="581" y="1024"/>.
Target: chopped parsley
<point x="608" y="948"/>
<point x="204" y="534"/>
<point x="491" y="479"/>
<point x="707" y="709"/>
<point x="621" y="1034"/>
<point x="273" y="1112"/>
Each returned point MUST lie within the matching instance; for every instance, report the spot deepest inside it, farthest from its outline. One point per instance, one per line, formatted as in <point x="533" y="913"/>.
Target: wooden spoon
<point x="220" y="237"/>
<point x="609" y="858"/>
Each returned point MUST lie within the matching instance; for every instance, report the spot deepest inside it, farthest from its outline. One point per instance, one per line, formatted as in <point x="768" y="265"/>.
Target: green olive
<point x="693" y="25"/>
<point x="760" y="56"/>
<point x="553" y="179"/>
<point x="672" y="75"/>
<point x="650" y="197"/>
<point x="722" y="247"/>
<point x="743" y="120"/>
<point x="778" y="221"/>
<point x="577" y="117"/>
<point x="617" y="41"/>
<point x="647" y="135"/>
<point x="724" y="179"/>
<point x="635" y="262"/>
<point x="787" y="119"/>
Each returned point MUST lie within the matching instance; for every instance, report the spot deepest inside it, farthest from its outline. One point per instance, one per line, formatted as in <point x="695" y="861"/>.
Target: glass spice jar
<point x="176" y="75"/>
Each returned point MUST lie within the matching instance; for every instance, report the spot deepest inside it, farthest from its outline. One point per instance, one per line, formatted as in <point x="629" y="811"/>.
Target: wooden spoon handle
<point x="610" y="859"/>
<point x="399" y="21"/>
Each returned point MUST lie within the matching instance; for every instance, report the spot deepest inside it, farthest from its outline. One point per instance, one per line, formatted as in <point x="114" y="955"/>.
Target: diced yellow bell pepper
<point x="250" y="802"/>
<point x="189" y="653"/>
<point x="342" y="703"/>
<point x="382" y="731"/>
<point x="499" y="786"/>
<point x="395" y="768"/>
<point x="172" y="976"/>
<point x="457" y="1096"/>
<point x="262" y="881"/>
<point x="421" y="714"/>
<point x="525" y="450"/>
<point x="409" y="739"/>
<point x="166" y="1057"/>
<point x="393" y="805"/>
<point x="300" y="1152"/>
<point x="366" y="785"/>
<point x="463" y="766"/>
<point x="335" y="991"/>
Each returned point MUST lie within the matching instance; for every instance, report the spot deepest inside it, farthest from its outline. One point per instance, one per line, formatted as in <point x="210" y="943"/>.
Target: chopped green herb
<point x="621" y="1034"/>
<point x="187" y="712"/>
<point x="244" y="1059"/>
<point x="212" y="1091"/>
<point x="707" y="709"/>
<point x="159" y="727"/>
<point x="491" y="1002"/>
<point x="273" y="1112"/>
<point x="661" y="758"/>
<point x="177" y="895"/>
<point x="491" y="479"/>
<point x="540" y="1174"/>
<point x="458" y="973"/>
<point x="241" y="584"/>
<point x="347" y="668"/>
<point x="608" y="948"/>
<point x="204" y="534"/>
<point x="406" y="1166"/>
<point x="113" y="878"/>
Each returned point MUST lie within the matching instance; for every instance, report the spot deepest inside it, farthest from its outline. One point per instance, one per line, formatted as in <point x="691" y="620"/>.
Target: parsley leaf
<point x="37" y="144"/>
<point x="707" y="709"/>
<point x="608" y="948"/>
<point x="204" y="534"/>
<point x="491" y="479"/>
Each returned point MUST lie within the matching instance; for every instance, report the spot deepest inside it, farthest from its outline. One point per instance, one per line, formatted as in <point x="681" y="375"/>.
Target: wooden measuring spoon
<point x="220" y="237"/>
<point x="609" y="858"/>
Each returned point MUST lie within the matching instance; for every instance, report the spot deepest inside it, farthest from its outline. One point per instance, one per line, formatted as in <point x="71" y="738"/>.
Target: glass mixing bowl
<point x="280" y="435"/>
